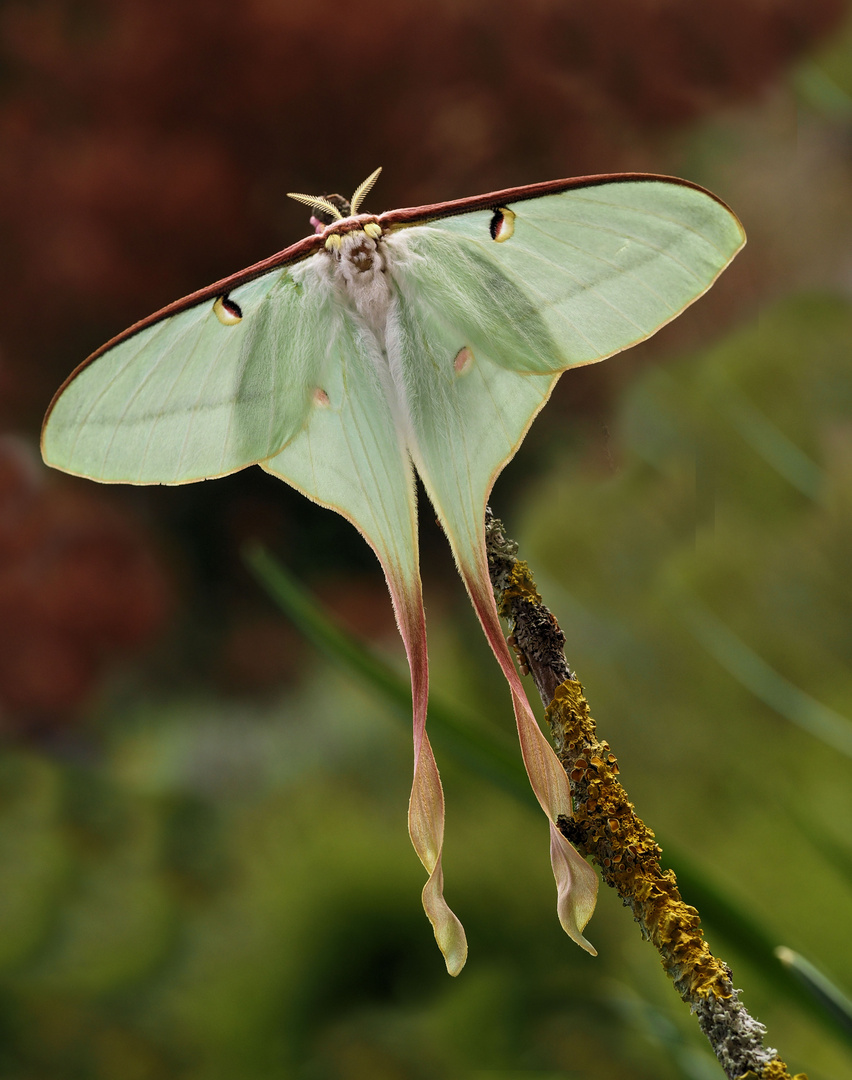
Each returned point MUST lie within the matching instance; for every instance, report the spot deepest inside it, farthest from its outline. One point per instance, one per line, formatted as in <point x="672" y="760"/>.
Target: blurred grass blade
<point x="835" y="852"/>
<point x="484" y="753"/>
<point x="304" y="610"/>
<point x="762" y="680"/>
<point x="829" y="996"/>
<point x="770" y="442"/>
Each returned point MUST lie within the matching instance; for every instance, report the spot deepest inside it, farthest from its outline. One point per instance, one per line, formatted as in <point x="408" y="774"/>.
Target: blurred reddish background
<point x="147" y="146"/>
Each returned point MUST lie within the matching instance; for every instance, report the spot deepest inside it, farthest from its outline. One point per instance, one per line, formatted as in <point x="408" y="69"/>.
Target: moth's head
<point x="328" y="209"/>
<point x="322" y="217"/>
<point x="362" y="231"/>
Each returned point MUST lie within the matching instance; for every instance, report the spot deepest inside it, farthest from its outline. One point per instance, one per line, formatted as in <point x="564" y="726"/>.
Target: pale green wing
<point x="569" y="278"/>
<point x="491" y="306"/>
<point x="469" y="414"/>
<point x="198" y="393"/>
<point x="349" y="455"/>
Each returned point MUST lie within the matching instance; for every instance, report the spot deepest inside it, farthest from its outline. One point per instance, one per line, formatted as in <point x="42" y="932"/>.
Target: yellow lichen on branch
<point x="519" y="586"/>
<point x="607" y="827"/>
<point x="775" y="1070"/>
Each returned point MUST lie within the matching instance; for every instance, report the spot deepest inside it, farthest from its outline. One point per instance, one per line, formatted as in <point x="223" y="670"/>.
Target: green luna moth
<point x="420" y="339"/>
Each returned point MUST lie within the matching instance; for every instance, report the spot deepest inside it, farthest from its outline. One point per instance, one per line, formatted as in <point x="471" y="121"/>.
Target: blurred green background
<point x="204" y="865"/>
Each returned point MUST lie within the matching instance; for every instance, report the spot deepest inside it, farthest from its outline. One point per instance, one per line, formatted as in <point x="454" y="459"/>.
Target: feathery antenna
<point x="363" y="190"/>
<point x="316" y="203"/>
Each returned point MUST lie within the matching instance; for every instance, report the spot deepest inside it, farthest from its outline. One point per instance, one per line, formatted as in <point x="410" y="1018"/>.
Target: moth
<point x="424" y="339"/>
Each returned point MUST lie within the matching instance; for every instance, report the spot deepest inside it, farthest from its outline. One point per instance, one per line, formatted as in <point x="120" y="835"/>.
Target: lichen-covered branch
<point x="607" y="828"/>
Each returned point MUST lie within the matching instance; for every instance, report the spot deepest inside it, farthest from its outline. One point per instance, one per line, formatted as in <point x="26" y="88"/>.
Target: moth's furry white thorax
<point x="360" y="271"/>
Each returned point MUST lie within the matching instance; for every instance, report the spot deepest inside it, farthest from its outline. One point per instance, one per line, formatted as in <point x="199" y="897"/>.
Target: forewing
<point x="189" y="396"/>
<point x="571" y="277"/>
